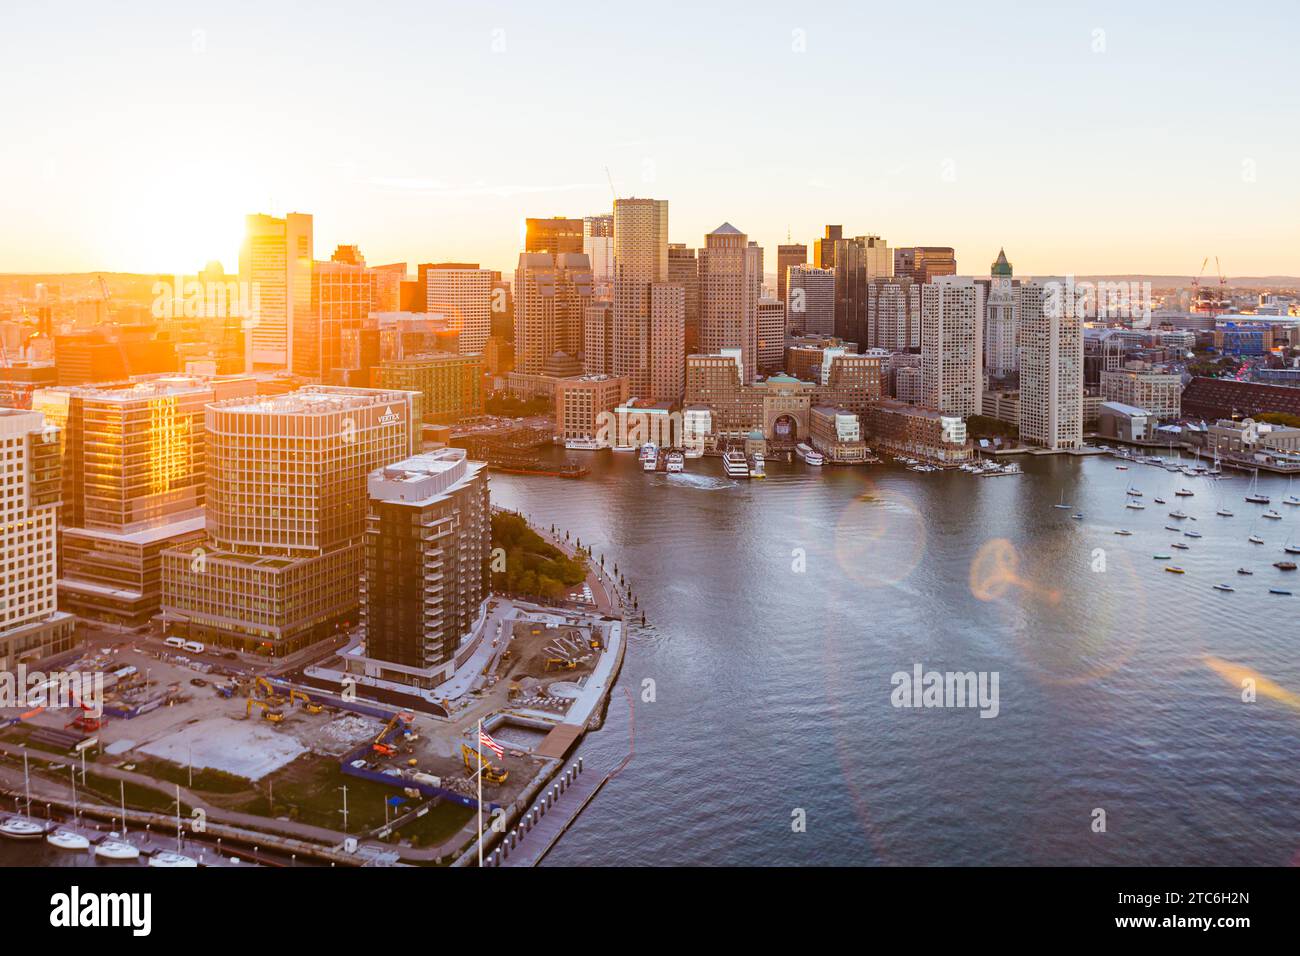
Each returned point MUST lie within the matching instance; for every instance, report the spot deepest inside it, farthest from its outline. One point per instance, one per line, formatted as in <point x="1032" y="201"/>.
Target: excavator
<point x="272" y="697"/>
<point x="491" y="773"/>
<point x="387" y="749"/>
<point x="268" y="712"/>
<point x="310" y="706"/>
<point x="562" y="663"/>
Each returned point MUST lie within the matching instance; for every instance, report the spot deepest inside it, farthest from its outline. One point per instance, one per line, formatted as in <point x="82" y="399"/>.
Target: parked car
<point x="198" y="682"/>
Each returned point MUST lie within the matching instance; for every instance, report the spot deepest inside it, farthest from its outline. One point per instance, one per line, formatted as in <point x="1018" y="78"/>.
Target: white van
<point x="175" y="642"/>
<point x="194" y="647"/>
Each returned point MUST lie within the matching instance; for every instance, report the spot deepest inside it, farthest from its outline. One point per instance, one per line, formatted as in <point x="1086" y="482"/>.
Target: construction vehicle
<point x="381" y="745"/>
<point x="308" y="704"/>
<point x="268" y="712"/>
<point x="491" y="773"/>
<point x="563" y="663"/>
<point x="267" y="688"/>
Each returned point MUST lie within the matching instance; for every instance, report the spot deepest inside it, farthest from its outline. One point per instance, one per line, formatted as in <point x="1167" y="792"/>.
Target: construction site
<point x="323" y="764"/>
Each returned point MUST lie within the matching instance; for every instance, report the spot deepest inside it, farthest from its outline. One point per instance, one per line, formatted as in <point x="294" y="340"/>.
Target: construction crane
<point x="491" y="772"/>
<point x="1207" y="300"/>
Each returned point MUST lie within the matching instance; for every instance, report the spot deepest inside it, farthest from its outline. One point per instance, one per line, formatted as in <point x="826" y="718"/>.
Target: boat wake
<point x="700" y="482"/>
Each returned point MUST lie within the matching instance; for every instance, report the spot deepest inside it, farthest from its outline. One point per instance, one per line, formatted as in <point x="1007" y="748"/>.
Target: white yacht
<point x="810" y="455"/>
<point x="168" y="858"/>
<point x="67" y="840"/>
<point x="649" y="456"/>
<point x="117" y="849"/>
<point x="21" y="828"/>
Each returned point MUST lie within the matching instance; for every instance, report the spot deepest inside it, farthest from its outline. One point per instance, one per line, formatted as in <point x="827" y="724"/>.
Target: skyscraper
<point x="343" y="294"/>
<point x="598" y="338"/>
<point x="31" y="625"/>
<point x="428" y="536"/>
<point x="461" y="293"/>
<point x="771" y="336"/>
<point x="598" y="244"/>
<point x="1002" y="310"/>
<point x="276" y="261"/>
<point x="1051" y="366"/>
<point x="952" y="309"/>
<point x="557" y="236"/>
<point x="286" y="510"/>
<point x="730" y="282"/>
<point x="684" y="270"/>
<point x="856" y="262"/>
<point x="893" y="314"/>
<point x="640" y="260"/>
<point x="921" y="264"/>
<point x="667" y="342"/>
<point x="791" y="254"/>
<point x="810" y="300"/>
<point x="551" y="297"/>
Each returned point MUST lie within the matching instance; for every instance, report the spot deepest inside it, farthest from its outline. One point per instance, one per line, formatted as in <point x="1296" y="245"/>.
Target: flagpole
<point x="480" y="792"/>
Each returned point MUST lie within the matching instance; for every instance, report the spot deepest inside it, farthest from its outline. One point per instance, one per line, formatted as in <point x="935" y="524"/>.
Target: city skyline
<point x="157" y="180"/>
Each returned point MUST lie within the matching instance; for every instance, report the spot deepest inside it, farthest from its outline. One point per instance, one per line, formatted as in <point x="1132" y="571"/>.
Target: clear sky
<point x="1089" y="137"/>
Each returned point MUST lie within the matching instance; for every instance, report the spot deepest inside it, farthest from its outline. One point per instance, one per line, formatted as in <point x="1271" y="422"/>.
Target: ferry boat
<point x="581" y="444"/>
<point x="676" y="462"/>
<point x="21" y="828"/>
<point x="1224" y="587"/>
<point x="756" y="469"/>
<point x="810" y="455"/>
<point x="649" y="456"/>
<point x="735" y="465"/>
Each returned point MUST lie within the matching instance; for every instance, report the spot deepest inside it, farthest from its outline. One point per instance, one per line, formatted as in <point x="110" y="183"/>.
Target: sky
<point x="1084" y="138"/>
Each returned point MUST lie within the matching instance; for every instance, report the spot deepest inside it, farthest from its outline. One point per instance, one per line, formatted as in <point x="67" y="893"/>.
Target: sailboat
<point x="1290" y="498"/>
<point x="24" y="827"/>
<point x="1255" y="497"/>
<point x="167" y="857"/>
<point x="1063" y="506"/>
<point x="1290" y="548"/>
<point x="118" y="847"/>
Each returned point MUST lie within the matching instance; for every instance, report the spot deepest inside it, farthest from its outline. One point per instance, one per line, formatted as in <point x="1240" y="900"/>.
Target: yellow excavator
<point x="562" y="663"/>
<point x="491" y="773"/>
<point x="268" y="712"/>
<point x="272" y="697"/>
<point x="308" y="705"/>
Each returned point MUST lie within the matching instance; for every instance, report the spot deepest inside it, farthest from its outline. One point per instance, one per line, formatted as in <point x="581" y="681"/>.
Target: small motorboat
<point x="1180" y="546"/>
<point x="1192" y="534"/>
<point x="1160" y="501"/>
<point x="1177" y="514"/>
<point x="1255" y="539"/>
<point x="1161" y="557"/>
<point x="1224" y="513"/>
<point x="168" y="858"/>
<point x="1134" y="492"/>
<point x="1245" y="571"/>
<point x="21" y="828"/>
<point x="1224" y="587"/>
<point x="1279" y="591"/>
<point x="1172" y="527"/>
<point x="1271" y="514"/>
<point x="117" y="849"/>
<point x="1184" y="492"/>
<point x="1174" y="569"/>
<point x="1078" y="517"/>
<point x="67" y="840"/>
<point x="1135" y="506"/>
<point x="1124" y="531"/>
<point x="1284" y="565"/>
<point x="1121" y="467"/>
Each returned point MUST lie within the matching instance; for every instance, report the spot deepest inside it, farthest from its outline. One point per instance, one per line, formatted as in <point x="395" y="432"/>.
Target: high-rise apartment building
<point x="428" y="538"/>
<point x="893" y="314"/>
<point x="286" y="509"/>
<point x="1145" y="386"/>
<point x="558" y="236"/>
<point x="788" y="255"/>
<point x="462" y="294"/>
<point x="730" y="282"/>
<point x="551" y="297"/>
<point x="810" y="300"/>
<point x="276" y="261"/>
<point x="952" y="311"/>
<point x="343" y="294"/>
<point x="598" y="244"/>
<point x="684" y="270"/>
<point x="1051" y="367"/>
<point x="640" y="261"/>
<point x="1002" y="321"/>
<point x="31" y="625"/>
<point x="771" y="336"/>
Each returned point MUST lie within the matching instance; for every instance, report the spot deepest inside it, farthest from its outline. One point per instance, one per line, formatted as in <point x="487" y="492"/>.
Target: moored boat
<point x="67" y="840"/>
<point x="170" y="859"/>
<point x="734" y="464"/>
<point x="21" y="828"/>
<point x="810" y="455"/>
<point x="117" y="849"/>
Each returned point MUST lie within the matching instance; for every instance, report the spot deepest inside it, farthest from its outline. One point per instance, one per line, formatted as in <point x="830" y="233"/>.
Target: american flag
<point x="491" y="744"/>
